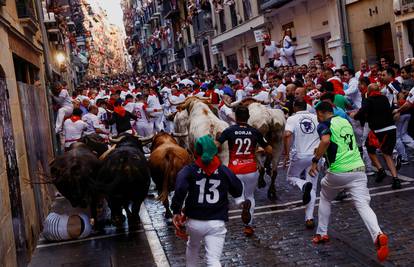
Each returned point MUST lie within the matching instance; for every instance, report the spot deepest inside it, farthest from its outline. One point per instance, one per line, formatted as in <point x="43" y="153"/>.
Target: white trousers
<point x="403" y="138"/>
<point x="61" y="114"/>
<point x="213" y="233"/>
<point x="144" y="128"/>
<point x="356" y="184"/>
<point x="249" y="181"/>
<point x="158" y="123"/>
<point x="296" y="167"/>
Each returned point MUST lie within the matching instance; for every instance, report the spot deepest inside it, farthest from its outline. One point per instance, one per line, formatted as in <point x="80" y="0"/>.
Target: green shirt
<point x="343" y="153"/>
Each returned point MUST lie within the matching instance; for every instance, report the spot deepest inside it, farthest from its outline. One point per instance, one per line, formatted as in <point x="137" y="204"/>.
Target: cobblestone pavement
<point x="280" y="240"/>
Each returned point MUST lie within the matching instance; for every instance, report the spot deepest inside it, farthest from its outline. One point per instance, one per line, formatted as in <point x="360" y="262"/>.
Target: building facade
<point x="371" y="30"/>
<point x="404" y="26"/>
<point x="26" y="146"/>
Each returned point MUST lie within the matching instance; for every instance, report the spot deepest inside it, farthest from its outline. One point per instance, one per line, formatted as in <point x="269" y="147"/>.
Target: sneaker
<point x="306" y="189"/>
<point x="380" y="175"/>
<point x="405" y="162"/>
<point x="382" y="247"/>
<point x="369" y="172"/>
<point x="396" y="183"/>
<point x="310" y="224"/>
<point x="248" y="231"/>
<point x="246" y="216"/>
<point x="320" y="239"/>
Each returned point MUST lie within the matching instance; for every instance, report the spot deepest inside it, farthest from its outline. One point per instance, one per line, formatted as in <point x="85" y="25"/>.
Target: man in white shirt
<point x="144" y="126"/>
<point x="364" y="70"/>
<point x="73" y="128"/>
<point x="62" y="98"/>
<point x="93" y="122"/>
<point x="280" y="92"/>
<point x="155" y="110"/>
<point x="390" y="89"/>
<point x="225" y="113"/>
<point x="269" y="49"/>
<point x="301" y="139"/>
<point x="352" y="91"/>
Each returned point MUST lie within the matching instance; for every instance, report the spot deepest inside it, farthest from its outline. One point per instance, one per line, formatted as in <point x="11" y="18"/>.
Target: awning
<point x="238" y="30"/>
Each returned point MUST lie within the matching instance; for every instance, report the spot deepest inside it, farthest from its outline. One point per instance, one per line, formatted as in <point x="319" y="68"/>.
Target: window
<point x="25" y="9"/>
<point x="232" y="62"/>
<point x="222" y="22"/>
<point x="233" y="15"/>
<point x="247" y="9"/>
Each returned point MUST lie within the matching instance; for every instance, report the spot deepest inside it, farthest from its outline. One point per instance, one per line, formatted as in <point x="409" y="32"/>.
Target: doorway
<point x="320" y="45"/>
<point x="254" y="57"/>
<point x="379" y="42"/>
<point x="12" y="170"/>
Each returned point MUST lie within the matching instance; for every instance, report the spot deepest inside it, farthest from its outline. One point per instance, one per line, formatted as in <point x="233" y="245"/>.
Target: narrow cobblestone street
<point x="280" y="240"/>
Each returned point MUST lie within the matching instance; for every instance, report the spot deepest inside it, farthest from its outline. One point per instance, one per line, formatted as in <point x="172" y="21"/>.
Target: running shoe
<point x="246" y="216"/>
<point x="306" y="189"/>
<point x="248" y="231"/>
<point x="382" y="247"/>
<point x="396" y="183"/>
<point x="405" y="162"/>
<point x="380" y="175"/>
<point x="320" y="239"/>
<point x="310" y="224"/>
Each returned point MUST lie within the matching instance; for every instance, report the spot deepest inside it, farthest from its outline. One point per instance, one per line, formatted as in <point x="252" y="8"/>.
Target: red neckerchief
<point x="126" y="102"/>
<point x="196" y="91"/>
<point x="75" y="118"/>
<point x="120" y="110"/>
<point x="177" y="94"/>
<point x="221" y="104"/>
<point x="307" y="99"/>
<point x="374" y="93"/>
<point x="210" y="168"/>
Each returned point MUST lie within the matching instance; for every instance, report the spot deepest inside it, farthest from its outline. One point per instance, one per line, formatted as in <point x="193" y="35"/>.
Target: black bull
<point x="123" y="178"/>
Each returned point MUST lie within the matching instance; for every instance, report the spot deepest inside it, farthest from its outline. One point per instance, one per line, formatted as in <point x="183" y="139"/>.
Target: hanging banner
<point x="258" y="35"/>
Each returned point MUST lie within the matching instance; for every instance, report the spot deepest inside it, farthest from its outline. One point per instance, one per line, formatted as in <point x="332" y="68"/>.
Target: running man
<point x="301" y="127"/>
<point x="243" y="140"/>
<point x="204" y="186"/>
<point x="346" y="171"/>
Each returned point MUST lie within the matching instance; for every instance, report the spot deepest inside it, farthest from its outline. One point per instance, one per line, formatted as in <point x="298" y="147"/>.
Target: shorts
<point x="386" y="142"/>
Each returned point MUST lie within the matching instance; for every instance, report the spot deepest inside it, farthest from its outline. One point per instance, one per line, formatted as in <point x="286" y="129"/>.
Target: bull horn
<point x="116" y="140"/>
<point x="176" y="103"/>
<point x="106" y="153"/>
<point x="231" y="105"/>
<point x="179" y="134"/>
<point x="145" y="140"/>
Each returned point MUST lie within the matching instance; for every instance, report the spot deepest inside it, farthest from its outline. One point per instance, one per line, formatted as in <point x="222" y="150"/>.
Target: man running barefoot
<point x="301" y="139"/>
<point x="346" y="171"/>
<point x="243" y="140"/>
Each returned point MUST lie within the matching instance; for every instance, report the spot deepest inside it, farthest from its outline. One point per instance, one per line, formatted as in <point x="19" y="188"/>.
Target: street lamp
<point x="60" y="58"/>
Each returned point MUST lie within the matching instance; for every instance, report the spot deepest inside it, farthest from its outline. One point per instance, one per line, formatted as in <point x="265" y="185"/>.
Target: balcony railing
<point x="202" y="23"/>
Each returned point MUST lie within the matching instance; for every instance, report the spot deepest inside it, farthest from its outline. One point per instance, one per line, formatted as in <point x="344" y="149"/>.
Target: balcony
<point x="265" y="4"/>
<point x="27" y="16"/>
<point x="202" y="23"/>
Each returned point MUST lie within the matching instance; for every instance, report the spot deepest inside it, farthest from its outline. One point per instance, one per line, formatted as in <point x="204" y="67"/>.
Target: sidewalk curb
<point x="160" y="258"/>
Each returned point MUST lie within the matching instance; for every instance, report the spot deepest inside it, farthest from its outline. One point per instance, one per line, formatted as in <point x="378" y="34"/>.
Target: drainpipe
<point x="49" y="75"/>
<point x="346" y="44"/>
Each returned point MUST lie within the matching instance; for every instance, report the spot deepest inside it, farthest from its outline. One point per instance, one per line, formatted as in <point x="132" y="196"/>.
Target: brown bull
<point x="166" y="160"/>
